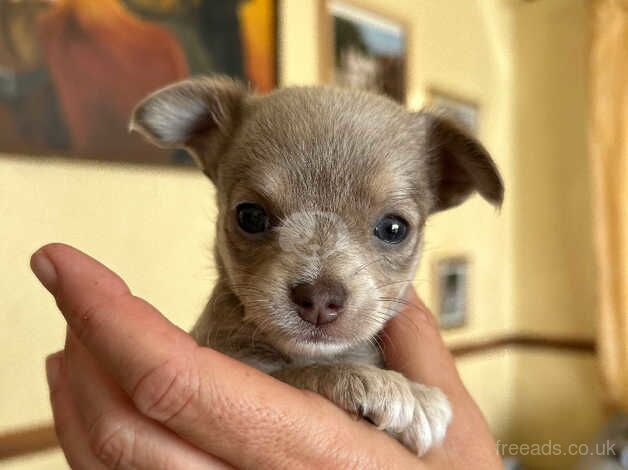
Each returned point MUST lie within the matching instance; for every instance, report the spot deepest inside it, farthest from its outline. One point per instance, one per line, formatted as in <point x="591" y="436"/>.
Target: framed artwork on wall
<point x="462" y="111"/>
<point x="366" y="50"/>
<point x="452" y="291"/>
<point x="71" y="71"/>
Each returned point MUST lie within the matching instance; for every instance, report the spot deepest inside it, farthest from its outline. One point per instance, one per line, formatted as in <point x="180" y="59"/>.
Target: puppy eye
<point x="252" y="218"/>
<point x="391" y="229"/>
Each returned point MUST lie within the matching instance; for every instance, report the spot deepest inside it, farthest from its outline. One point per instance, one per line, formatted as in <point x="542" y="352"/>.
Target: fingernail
<point x="53" y="367"/>
<point x="44" y="270"/>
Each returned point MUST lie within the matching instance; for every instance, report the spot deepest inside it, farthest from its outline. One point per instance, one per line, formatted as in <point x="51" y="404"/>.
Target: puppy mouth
<point x="317" y="334"/>
<point x="316" y="339"/>
<point x="293" y="335"/>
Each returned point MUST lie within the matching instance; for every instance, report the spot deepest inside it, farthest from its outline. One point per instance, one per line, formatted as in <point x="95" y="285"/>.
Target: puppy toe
<point x="432" y="415"/>
<point x="394" y="414"/>
<point x="437" y="410"/>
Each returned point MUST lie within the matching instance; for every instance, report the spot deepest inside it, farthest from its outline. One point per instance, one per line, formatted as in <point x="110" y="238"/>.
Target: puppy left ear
<point x="198" y="114"/>
<point x="458" y="164"/>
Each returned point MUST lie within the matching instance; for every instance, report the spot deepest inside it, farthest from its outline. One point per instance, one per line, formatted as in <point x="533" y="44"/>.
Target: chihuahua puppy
<point x="322" y="195"/>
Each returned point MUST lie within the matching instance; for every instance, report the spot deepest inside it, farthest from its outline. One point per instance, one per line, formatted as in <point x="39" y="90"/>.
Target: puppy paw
<point x="430" y="418"/>
<point x="414" y="414"/>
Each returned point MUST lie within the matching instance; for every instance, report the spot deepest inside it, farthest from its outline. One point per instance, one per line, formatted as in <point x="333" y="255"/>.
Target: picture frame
<point x="451" y="291"/>
<point x="463" y="111"/>
<point x="364" y="49"/>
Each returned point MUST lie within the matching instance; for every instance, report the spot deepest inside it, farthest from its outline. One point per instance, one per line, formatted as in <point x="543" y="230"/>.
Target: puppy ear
<point x="198" y="114"/>
<point x="458" y="165"/>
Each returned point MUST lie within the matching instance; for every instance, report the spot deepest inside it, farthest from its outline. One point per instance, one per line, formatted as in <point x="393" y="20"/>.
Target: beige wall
<point x="154" y="227"/>
<point x="556" y="400"/>
<point x="554" y="249"/>
<point x="557" y="396"/>
<point x="523" y="63"/>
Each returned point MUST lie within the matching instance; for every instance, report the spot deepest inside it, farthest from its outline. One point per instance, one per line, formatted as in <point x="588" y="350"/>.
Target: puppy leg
<point x="414" y="414"/>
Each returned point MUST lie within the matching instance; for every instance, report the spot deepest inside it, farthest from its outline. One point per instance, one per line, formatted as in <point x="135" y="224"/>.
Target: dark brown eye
<point x="391" y="229"/>
<point x="252" y="218"/>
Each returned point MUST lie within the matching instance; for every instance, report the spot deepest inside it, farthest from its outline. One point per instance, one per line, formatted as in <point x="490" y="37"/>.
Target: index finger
<point x="214" y="402"/>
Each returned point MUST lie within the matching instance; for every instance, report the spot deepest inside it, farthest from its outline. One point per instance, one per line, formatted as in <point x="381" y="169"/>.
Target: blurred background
<point x="532" y="299"/>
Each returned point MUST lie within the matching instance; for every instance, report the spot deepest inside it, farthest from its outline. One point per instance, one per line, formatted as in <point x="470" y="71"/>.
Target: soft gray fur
<point x="326" y="164"/>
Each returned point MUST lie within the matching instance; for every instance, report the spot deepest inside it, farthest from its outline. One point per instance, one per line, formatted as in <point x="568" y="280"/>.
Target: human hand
<point x="131" y="390"/>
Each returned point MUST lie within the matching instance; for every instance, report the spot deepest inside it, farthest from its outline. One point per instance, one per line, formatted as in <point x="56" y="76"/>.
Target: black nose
<point x="320" y="302"/>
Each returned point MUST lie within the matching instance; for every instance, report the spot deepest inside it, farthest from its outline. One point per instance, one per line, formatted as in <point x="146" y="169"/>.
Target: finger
<point x="197" y="391"/>
<point x="68" y="426"/>
<point x="119" y="435"/>
<point x="413" y="346"/>
<point x="88" y="292"/>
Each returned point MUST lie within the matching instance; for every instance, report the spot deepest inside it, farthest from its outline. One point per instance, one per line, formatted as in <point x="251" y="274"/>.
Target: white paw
<point x="430" y="418"/>
<point x="390" y="405"/>
<point x="414" y="414"/>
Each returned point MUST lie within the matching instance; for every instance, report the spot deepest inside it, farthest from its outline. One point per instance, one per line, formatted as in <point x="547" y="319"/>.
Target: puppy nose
<point x="319" y="303"/>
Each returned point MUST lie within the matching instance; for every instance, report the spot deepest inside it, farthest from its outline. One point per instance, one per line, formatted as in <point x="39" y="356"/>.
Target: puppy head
<point x="323" y="195"/>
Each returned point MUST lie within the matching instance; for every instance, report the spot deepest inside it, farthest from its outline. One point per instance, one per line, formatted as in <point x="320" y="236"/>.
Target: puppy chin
<point x="312" y="348"/>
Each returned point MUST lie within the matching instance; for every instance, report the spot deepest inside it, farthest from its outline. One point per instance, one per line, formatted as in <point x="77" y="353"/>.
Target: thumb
<point x="413" y="346"/>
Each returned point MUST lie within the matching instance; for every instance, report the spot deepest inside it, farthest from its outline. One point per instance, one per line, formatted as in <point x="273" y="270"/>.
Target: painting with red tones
<point x="71" y="71"/>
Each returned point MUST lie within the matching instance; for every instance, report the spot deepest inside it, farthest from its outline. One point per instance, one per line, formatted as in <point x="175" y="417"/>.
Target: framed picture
<point x="462" y="111"/>
<point x="452" y="291"/>
<point x="367" y="50"/>
<point x="72" y="71"/>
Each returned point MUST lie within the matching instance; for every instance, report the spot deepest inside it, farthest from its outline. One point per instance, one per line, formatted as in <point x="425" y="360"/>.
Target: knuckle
<point x="112" y="441"/>
<point x="167" y="390"/>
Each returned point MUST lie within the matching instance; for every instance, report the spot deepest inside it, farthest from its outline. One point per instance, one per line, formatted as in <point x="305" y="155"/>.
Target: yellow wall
<point x="523" y="63"/>
<point x="152" y="226"/>
<point x="557" y="399"/>
<point x="557" y="396"/>
<point x="554" y="249"/>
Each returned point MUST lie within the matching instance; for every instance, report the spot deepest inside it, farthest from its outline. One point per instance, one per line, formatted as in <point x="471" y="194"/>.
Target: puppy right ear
<point x="458" y="164"/>
<point x="198" y="114"/>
